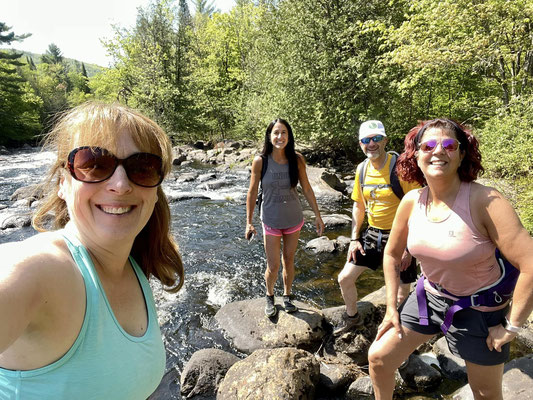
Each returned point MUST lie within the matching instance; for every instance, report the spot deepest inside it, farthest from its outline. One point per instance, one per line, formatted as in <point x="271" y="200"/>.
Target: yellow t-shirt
<point x="381" y="202"/>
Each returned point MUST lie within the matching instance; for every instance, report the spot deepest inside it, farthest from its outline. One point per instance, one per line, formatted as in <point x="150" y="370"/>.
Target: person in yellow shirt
<point x="377" y="193"/>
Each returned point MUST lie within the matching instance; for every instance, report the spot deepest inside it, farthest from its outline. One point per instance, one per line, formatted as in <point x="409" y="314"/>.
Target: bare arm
<point x="309" y="193"/>
<point x="20" y="293"/>
<point x="251" y="197"/>
<point x="503" y="226"/>
<point x="392" y="259"/>
<point x="358" y="217"/>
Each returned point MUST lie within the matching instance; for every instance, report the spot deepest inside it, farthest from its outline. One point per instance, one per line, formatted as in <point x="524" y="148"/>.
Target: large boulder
<point x="418" y="375"/>
<point x="517" y="381"/>
<point x="321" y="244"/>
<point x="336" y="220"/>
<point x="281" y="374"/>
<point x="323" y="192"/>
<point x="246" y="325"/>
<point x="452" y="367"/>
<point x="204" y="372"/>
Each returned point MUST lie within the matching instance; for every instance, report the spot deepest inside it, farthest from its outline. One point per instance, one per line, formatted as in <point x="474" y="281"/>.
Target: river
<point x="220" y="265"/>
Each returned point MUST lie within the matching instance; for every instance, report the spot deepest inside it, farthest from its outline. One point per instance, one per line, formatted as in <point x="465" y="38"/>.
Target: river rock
<point x="351" y="347"/>
<point x="179" y="159"/>
<point x="4" y="151"/>
<point x="452" y="367"/>
<point x="187" y="177"/>
<point x="246" y="325"/>
<point x="361" y="389"/>
<point x="206" y="177"/>
<point x="323" y="192"/>
<point x="281" y="374"/>
<point x="378" y="298"/>
<point x="336" y="220"/>
<point x="517" y="381"/>
<point x="321" y="244"/>
<point x="174" y="196"/>
<point x="29" y="193"/>
<point x="168" y="387"/>
<point x="342" y="243"/>
<point x="335" y="377"/>
<point x="15" y="221"/>
<point x="333" y="181"/>
<point x="418" y="375"/>
<point x="204" y="372"/>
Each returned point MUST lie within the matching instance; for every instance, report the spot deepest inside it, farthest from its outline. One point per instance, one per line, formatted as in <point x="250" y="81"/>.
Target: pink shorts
<point x="267" y="230"/>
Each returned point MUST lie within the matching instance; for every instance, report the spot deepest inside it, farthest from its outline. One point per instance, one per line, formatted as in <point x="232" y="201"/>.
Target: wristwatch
<point x="511" y="328"/>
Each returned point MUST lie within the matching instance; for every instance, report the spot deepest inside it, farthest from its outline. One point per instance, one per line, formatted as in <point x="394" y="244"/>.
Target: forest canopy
<point x="324" y="65"/>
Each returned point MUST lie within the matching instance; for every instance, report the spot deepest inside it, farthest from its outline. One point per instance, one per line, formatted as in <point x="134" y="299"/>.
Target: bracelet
<point x="511" y="328"/>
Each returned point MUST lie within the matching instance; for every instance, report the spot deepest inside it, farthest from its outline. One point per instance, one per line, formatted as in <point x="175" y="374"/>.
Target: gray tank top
<point x="281" y="208"/>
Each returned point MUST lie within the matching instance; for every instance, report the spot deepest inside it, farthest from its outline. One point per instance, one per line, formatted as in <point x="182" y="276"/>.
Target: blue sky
<point x="75" y="26"/>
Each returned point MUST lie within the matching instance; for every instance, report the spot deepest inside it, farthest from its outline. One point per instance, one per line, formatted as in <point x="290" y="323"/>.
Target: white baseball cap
<point x="371" y="128"/>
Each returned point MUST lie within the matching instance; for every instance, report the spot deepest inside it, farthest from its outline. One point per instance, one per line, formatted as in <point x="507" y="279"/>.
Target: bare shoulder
<point x="28" y="257"/>
<point x="412" y="196"/>
<point x="484" y="196"/>
<point x="300" y="157"/>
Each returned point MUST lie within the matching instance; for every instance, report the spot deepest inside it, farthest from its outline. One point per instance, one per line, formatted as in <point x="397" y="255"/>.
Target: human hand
<point x="250" y="232"/>
<point x="390" y="320"/>
<point x="498" y="336"/>
<point x="406" y="260"/>
<point x="319" y="225"/>
<point x="352" y="250"/>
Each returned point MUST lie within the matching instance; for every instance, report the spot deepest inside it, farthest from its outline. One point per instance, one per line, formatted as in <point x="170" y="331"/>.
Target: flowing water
<point x="220" y="265"/>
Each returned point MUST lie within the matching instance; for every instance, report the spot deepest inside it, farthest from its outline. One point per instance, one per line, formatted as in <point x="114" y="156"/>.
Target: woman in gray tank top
<point x="281" y="212"/>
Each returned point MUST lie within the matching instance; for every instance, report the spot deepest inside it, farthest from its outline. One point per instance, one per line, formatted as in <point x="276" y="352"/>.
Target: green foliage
<point x="507" y="149"/>
<point x="19" y="107"/>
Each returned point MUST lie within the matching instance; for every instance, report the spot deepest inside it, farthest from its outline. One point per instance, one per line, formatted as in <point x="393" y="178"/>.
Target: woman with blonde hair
<point x="78" y="315"/>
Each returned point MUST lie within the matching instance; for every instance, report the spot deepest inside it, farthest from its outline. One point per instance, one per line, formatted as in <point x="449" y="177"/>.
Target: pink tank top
<point x="452" y="252"/>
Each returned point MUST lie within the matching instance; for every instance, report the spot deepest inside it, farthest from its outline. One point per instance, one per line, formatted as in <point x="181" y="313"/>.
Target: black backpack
<point x="263" y="172"/>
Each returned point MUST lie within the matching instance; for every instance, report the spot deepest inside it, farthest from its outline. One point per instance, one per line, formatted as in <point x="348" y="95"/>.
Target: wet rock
<point x="418" y="375"/>
<point x="452" y="367"/>
<point x="378" y="298"/>
<point x="30" y="193"/>
<point x="281" y="374"/>
<point x="321" y="245"/>
<point x="335" y="377"/>
<point x="206" y="177"/>
<point x="352" y="346"/>
<point x="180" y="196"/>
<point x="246" y="325"/>
<point x="179" y="159"/>
<point x="323" y="192"/>
<point x="168" y="388"/>
<point x="333" y="180"/>
<point x="517" y="381"/>
<point x="4" y="151"/>
<point x="187" y="177"/>
<point x="15" y="221"/>
<point x="342" y="243"/>
<point x="204" y="372"/>
<point x="336" y="220"/>
<point x="361" y="389"/>
<point x="216" y="184"/>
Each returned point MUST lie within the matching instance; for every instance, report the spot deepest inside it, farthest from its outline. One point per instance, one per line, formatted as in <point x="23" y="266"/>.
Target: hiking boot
<point x="348" y="323"/>
<point x="288" y="304"/>
<point x="270" y="308"/>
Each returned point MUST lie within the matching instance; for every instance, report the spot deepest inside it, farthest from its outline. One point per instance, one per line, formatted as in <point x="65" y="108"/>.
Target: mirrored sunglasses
<point x="447" y="144"/>
<point x="94" y="164"/>
<point x="375" y="139"/>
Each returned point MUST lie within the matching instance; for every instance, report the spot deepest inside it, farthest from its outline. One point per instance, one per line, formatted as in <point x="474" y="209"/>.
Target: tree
<point x="53" y="55"/>
<point x="18" y="105"/>
<point x="204" y="7"/>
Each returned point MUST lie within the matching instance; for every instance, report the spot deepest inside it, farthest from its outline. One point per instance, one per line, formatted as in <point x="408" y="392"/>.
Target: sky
<point x="75" y="26"/>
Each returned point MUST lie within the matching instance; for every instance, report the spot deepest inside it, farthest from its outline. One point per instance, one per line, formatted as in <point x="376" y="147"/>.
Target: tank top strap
<point x="461" y="205"/>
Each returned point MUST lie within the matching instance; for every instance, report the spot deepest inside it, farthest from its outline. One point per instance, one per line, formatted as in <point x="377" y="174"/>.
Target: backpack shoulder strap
<point x="361" y="168"/>
<point x="394" y="180"/>
<point x="264" y="166"/>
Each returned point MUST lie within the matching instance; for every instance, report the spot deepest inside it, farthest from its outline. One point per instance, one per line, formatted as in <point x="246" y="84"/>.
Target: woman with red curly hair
<point x="453" y="225"/>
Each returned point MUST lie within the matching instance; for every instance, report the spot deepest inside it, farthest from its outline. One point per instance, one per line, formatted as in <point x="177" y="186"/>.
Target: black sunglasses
<point x="94" y="164"/>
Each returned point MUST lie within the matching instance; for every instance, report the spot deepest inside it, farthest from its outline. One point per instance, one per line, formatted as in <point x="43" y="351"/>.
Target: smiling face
<point x="111" y="211"/>
<point x="374" y="150"/>
<point x="439" y="162"/>
<point x="279" y="137"/>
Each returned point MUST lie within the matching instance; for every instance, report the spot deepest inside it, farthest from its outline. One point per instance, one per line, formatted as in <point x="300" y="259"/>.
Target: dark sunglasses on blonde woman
<point x="94" y="164"/>
<point x="447" y="144"/>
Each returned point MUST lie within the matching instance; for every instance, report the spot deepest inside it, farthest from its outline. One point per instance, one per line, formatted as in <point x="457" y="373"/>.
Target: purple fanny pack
<point x="494" y="295"/>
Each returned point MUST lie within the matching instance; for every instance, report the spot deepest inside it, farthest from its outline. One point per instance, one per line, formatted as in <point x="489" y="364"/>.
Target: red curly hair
<point x="470" y="167"/>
